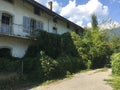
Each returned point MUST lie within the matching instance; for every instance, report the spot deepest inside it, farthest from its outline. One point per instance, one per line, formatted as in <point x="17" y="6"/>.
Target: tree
<point x="94" y="22"/>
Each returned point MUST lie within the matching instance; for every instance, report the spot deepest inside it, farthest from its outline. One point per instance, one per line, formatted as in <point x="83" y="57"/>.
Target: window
<point x="6" y="19"/>
<point x="6" y="23"/>
<point x="5" y="52"/>
<point x="30" y="24"/>
<point x="39" y="25"/>
<point x="36" y="11"/>
<point x="77" y="31"/>
<point x="68" y="25"/>
<point x="55" y="30"/>
<point x="26" y="24"/>
<point x="55" y="19"/>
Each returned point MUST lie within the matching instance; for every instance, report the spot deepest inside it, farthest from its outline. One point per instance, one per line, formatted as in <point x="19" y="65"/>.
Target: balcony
<point x="6" y="29"/>
<point x="9" y="30"/>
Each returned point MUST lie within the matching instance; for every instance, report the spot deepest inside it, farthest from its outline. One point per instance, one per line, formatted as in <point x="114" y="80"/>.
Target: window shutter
<point x="42" y="25"/>
<point x="26" y="24"/>
<point x="39" y="25"/>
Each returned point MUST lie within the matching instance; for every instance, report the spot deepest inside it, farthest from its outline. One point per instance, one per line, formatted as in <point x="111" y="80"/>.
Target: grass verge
<point x="101" y="70"/>
<point x="115" y="82"/>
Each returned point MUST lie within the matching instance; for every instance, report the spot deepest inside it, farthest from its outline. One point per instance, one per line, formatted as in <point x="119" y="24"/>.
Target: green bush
<point x="9" y="81"/>
<point x="48" y="66"/>
<point x="68" y="44"/>
<point x="9" y="65"/>
<point x="49" y="43"/>
<point x="32" y="69"/>
<point x="71" y="64"/>
<point x="95" y="47"/>
<point x="115" y="61"/>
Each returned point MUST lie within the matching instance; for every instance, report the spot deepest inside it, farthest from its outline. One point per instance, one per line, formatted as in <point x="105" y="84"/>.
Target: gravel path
<point x="91" y="80"/>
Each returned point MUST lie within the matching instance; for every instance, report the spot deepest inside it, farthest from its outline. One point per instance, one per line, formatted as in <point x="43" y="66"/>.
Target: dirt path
<point x="90" y="80"/>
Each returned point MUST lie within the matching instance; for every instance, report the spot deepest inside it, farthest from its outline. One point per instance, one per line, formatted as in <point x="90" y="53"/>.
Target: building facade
<point x="20" y="19"/>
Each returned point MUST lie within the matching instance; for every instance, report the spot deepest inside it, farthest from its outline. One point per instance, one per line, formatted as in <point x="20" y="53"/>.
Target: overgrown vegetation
<point x="115" y="61"/>
<point x="56" y="56"/>
<point x="116" y="82"/>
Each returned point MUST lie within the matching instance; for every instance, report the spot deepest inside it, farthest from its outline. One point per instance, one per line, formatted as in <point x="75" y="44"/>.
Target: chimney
<point x="50" y="5"/>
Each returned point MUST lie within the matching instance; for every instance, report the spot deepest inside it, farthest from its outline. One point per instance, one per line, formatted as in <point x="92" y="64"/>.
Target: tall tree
<point x="94" y="22"/>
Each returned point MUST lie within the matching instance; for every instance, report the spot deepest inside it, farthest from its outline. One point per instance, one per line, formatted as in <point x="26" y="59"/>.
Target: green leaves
<point x="115" y="60"/>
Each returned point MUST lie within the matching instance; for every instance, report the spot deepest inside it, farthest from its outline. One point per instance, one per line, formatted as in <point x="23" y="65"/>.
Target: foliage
<point x="115" y="61"/>
<point x="69" y="44"/>
<point x="9" y="81"/>
<point x="48" y="66"/>
<point x="66" y="53"/>
<point x="49" y="43"/>
<point x="32" y="69"/>
<point x="95" y="47"/>
<point x="115" y="44"/>
<point x="9" y="65"/>
<point x="69" y="63"/>
<point x="116" y="82"/>
<point x="94" y="22"/>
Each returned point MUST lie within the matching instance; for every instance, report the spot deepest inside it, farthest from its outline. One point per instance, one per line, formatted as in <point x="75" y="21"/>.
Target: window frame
<point x="32" y="24"/>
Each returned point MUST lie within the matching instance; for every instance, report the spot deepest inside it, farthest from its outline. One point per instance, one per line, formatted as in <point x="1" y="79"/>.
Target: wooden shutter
<point x="39" y="25"/>
<point x="26" y="24"/>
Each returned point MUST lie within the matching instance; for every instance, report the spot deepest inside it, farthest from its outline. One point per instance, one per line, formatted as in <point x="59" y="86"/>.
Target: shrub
<point x="49" y="43"/>
<point x="115" y="61"/>
<point x="94" y="47"/>
<point x="48" y="66"/>
<point x="9" y="65"/>
<point x="9" y="81"/>
<point x="32" y="69"/>
<point x="69" y="63"/>
<point x="69" y="44"/>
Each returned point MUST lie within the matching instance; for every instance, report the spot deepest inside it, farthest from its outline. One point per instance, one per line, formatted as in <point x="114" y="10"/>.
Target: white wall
<point x="18" y="10"/>
<point x="18" y="47"/>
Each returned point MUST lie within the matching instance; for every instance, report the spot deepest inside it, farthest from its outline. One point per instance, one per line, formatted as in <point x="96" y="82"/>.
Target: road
<point x="91" y="80"/>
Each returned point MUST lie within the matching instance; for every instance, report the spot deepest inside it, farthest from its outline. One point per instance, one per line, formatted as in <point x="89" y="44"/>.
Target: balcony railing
<point x="10" y="30"/>
<point x="6" y="29"/>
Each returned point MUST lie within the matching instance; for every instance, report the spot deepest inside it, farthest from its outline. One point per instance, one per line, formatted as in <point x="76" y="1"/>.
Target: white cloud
<point x="42" y="1"/>
<point x="89" y="25"/>
<point x="80" y="14"/>
<point x="56" y="6"/>
<point x="108" y="23"/>
<point x="77" y="13"/>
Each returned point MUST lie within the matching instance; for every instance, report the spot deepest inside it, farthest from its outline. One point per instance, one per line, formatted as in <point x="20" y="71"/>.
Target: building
<point x="19" y="19"/>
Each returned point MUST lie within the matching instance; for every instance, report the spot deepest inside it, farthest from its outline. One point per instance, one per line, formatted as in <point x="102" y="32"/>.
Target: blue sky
<point x="80" y="11"/>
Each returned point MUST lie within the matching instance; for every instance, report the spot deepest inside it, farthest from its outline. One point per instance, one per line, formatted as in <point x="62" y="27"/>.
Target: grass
<point x="115" y="82"/>
<point x="101" y="70"/>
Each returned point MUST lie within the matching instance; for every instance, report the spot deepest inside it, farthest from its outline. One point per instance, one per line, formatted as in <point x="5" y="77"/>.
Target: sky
<point x="80" y="11"/>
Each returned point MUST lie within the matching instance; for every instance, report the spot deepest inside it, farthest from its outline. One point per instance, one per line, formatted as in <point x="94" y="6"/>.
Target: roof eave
<point x="53" y="14"/>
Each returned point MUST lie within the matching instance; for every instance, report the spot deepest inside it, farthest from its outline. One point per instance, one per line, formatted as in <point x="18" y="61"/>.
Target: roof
<point x="53" y="14"/>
